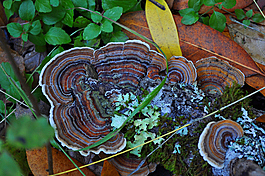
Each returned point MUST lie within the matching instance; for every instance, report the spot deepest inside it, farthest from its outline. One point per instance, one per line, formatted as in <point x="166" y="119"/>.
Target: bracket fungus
<point x="215" y="74"/>
<point x="215" y="138"/>
<point x="82" y="83"/>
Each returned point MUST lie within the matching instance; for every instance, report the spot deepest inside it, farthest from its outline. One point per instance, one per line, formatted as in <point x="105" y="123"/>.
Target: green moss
<point x="230" y="95"/>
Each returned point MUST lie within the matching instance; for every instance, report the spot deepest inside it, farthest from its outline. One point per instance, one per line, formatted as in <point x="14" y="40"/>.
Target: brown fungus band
<point x="215" y="138"/>
<point x="214" y="74"/>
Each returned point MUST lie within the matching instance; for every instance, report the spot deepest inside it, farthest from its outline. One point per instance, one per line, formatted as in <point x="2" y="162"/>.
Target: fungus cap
<point x="214" y="141"/>
<point x="214" y="74"/>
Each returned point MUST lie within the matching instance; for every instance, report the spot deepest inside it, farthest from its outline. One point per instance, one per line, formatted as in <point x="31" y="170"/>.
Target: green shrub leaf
<point x="228" y="4"/>
<point x="190" y="18"/>
<point x="240" y="14"/>
<point x="96" y="18"/>
<point x="43" y="6"/>
<point x="54" y="3"/>
<point x="37" y="39"/>
<point x="195" y="4"/>
<point x="91" y="31"/>
<point x="106" y="26"/>
<point x="126" y="4"/>
<point x="26" y="10"/>
<point x="2" y="108"/>
<point x="7" y="4"/>
<point x="12" y="10"/>
<point x="184" y="12"/>
<point x="27" y="133"/>
<point x="209" y="2"/>
<point x="246" y="22"/>
<point x="81" y="22"/>
<point x="54" y="16"/>
<point x="217" y="21"/>
<point x="249" y="13"/>
<point x="8" y="166"/>
<point x="80" y="3"/>
<point x="119" y="36"/>
<point x="25" y="37"/>
<point x="15" y="29"/>
<point x="35" y="27"/>
<point x="57" y="36"/>
<point x="5" y="82"/>
<point x="257" y="18"/>
<point x="114" y="13"/>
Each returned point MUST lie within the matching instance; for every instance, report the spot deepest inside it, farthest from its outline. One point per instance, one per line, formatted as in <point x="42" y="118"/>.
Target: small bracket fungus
<point x="215" y="138"/>
<point x="215" y="74"/>
<point x="125" y="165"/>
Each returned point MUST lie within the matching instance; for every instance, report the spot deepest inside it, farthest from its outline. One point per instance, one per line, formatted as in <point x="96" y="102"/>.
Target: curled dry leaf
<point x="182" y="4"/>
<point x="200" y="41"/>
<point x="38" y="163"/>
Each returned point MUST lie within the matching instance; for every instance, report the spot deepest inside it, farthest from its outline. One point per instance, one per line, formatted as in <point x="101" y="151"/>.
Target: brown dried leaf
<point x="38" y="163"/>
<point x="109" y="169"/>
<point x="261" y="118"/>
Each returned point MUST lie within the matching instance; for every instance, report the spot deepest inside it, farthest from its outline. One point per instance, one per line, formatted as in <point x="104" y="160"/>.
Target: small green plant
<point x="47" y="21"/>
<point x="217" y="20"/>
<point x="241" y="15"/>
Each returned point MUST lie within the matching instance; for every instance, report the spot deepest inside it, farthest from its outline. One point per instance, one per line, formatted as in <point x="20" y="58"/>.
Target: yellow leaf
<point x="163" y="28"/>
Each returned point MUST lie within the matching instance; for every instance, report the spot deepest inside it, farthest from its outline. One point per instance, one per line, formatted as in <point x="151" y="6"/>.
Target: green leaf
<point x="35" y="27"/>
<point x="249" y="13"/>
<point x="91" y="4"/>
<point x="96" y="18"/>
<point x="246" y="22"/>
<point x="119" y="36"/>
<point x="54" y="3"/>
<point x="15" y="29"/>
<point x="57" y="36"/>
<point x="195" y="4"/>
<point x="184" y="12"/>
<point x="69" y="14"/>
<point x="81" y="22"/>
<point x="37" y="39"/>
<point x="217" y="21"/>
<point x="114" y="13"/>
<point x="2" y="107"/>
<point x="209" y="2"/>
<point x="7" y="4"/>
<point x="217" y="1"/>
<point x="106" y="26"/>
<point x="94" y="43"/>
<point x="240" y="14"/>
<point x="228" y="4"/>
<point x="43" y="6"/>
<point x="27" y="133"/>
<point x="80" y="3"/>
<point x="14" y="8"/>
<point x="54" y="16"/>
<point x="5" y="82"/>
<point x="190" y="18"/>
<point x="126" y="4"/>
<point x="91" y="31"/>
<point x="26" y="27"/>
<point x="26" y="10"/>
<point x="8" y="166"/>
<point x="25" y="37"/>
<point x="205" y="20"/>
<point x="257" y="18"/>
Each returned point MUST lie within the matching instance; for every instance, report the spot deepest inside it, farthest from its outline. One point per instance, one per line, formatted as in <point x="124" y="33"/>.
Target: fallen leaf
<point x="109" y="169"/>
<point x="38" y="163"/>
<point x="261" y="118"/>
<point x="252" y="41"/>
<point x="163" y="28"/>
<point x="3" y="19"/>
<point x="200" y="41"/>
